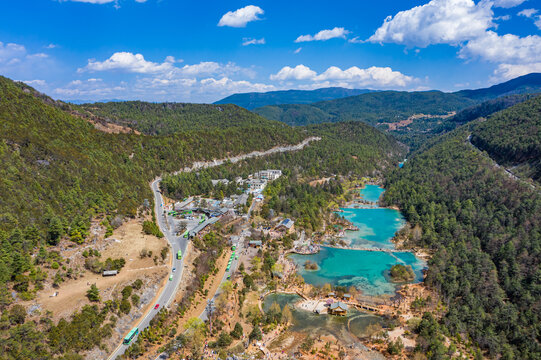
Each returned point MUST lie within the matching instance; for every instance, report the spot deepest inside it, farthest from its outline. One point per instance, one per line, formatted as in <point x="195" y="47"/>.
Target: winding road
<point x="180" y="243"/>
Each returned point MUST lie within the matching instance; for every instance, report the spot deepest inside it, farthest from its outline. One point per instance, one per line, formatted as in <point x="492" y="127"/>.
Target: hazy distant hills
<point x="393" y="106"/>
<point x="253" y="100"/>
<point x="371" y="108"/>
<point x="530" y="83"/>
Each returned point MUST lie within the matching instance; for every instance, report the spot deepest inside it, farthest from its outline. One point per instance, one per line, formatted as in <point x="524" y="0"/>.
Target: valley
<point x="242" y="236"/>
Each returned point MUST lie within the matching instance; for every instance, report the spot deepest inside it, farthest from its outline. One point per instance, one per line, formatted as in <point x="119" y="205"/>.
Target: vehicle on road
<point x="179" y="254"/>
<point x="174" y="269"/>
<point x="133" y="333"/>
<point x="156" y="306"/>
<point x="171" y="277"/>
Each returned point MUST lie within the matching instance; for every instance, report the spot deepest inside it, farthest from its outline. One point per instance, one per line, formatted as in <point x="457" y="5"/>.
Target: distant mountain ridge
<point x="382" y="107"/>
<point x="530" y="83"/>
<point x="257" y="99"/>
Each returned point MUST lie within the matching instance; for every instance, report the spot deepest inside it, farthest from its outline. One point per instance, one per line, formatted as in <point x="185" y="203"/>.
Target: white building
<point x="256" y="185"/>
<point x="268" y="174"/>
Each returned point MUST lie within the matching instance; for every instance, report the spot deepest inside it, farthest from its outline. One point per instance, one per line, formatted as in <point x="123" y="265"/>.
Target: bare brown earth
<point x="412" y="118"/>
<point x="127" y="241"/>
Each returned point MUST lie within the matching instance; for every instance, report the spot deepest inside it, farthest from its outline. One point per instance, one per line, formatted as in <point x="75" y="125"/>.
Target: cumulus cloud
<point x="298" y="50"/>
<point x="466" y="25"/>
<point x="241" y="17"/>
<point x="36" y="82"/>
<point x="379" y="76"/>
<point x="437" y="22"/>
<point x="100" y="2"/>
<point x="532" y="14"/>
<point x="249" y="41"/>
<point x="507" y="3"/>
<point x="129" y="62"/>
<point x="323" y="35"/>
<point x="511" y="71"/>
<point x="528" y="12"/>
<point x="353" y="76"/>
<point x="299" y="72"/>
<point x="507" y="48"/>
<point x="17" y="62"/>
<point x="94" y="1"/>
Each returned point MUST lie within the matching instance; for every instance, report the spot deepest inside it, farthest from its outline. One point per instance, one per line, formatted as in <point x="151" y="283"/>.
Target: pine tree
<point x="93" y="294"/>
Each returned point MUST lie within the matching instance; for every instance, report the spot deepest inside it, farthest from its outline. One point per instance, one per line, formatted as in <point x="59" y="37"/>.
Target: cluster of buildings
<point x="255" y="183"/>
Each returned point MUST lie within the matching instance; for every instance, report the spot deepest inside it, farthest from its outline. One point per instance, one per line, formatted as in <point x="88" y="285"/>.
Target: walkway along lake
<point x="366" y="270"/>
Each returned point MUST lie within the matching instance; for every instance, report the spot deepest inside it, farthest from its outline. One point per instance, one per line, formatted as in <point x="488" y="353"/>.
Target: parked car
<point x="157" y="306"/>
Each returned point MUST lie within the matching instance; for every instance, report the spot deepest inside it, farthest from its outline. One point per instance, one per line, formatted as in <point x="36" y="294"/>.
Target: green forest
<point x="59" y="173"/>
<point x="485" y="231"/>
<point x="346" y="148"/>
<point x="513" y="137"/>
<point x="371" y="108"/>
<point x="171" y="118"/>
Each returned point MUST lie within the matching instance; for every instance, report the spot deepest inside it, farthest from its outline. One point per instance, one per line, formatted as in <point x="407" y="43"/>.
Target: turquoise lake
<point x="366" y="270"/>
<point x="377" y="226"/>
<point x="372" y="193"/>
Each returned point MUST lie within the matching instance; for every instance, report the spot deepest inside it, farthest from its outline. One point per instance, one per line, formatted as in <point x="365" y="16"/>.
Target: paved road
<point x="177" y="243"/>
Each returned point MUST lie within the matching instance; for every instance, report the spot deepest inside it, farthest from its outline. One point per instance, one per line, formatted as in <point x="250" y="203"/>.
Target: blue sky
<point x="194" y="51"/>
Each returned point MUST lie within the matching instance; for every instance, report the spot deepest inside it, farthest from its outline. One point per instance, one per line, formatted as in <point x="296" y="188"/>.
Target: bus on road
<point x="130" y="336"/>
<point x="179" y="254"/>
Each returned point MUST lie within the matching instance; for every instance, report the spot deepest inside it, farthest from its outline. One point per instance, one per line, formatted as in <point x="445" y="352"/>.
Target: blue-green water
<point x="354" y="323"/>
<point x="377" y="226"/>
<point x="371" y="193"/>
<point x="366" y="270"/>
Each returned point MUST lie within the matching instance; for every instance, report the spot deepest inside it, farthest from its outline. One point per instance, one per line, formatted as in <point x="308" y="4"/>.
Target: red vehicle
<point x="157" y="306"/>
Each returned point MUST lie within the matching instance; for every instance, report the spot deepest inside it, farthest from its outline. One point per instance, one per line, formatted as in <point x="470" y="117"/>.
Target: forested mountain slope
<point x="513" y="137"/>
<point x="421" y="130"/>
<point x="58" y="172"/>
<point x="169" y="118"/>
<point x="255" y="99"/>
<point x="372" y="108"/>
<point x="530" y="83"/>
<point x="345" y="149"/>
<point x="485" y="230"/>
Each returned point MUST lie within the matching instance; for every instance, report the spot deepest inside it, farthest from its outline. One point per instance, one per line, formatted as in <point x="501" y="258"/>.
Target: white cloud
<point x="35" y="82"/>
<point x="532" y="14"/>
<point x="240" y="17"/>
<point x="323" y="35"/>
<point x="51" y="46"/>
<point x="437" y="22"/>
<point x="507" y="3"/>
<point x="354" y="76"/>
<point x="379" y="76"/>
<point x="226" y="85"/>
<point x="298" y="50"/>
<point x="249" y="41"/>
<point x="128" y="62"/>
<point x="356" y="40"/>
<point x="94" y="1"/>
<point x="507" y="48"/>
<point x="16" y="62"/>
<point x="528" y="12"/>
<point x="299" y="72"/>
<point x="100" y="2"/>
<point x="503" y="17"/>
<point x="511" y="71"/>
